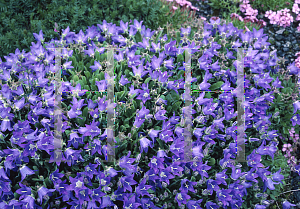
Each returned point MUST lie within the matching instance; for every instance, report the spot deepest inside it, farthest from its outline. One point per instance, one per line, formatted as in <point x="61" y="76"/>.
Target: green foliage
<point x="223" y="4"/>
<point x="20" y="19"/>
<point x="274" y="5"/>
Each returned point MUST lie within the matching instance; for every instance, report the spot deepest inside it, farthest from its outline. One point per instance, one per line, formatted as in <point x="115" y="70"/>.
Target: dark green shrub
<point x="20" y="19"/>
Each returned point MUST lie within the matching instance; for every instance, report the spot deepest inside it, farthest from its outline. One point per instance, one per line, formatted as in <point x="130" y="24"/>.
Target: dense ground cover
<point x="88" y="67"/>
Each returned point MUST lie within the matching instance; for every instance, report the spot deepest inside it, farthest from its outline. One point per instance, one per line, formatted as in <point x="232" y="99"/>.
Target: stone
<point x="285" y="49"/>
<point x="278" y="37"/>
<point x="271" y="39"/>
<point x="280" y="31"/>
<point x="287" y="44"/>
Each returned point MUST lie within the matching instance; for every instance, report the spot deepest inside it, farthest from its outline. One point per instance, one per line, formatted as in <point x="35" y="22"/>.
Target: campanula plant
<point x="150" y="170"/>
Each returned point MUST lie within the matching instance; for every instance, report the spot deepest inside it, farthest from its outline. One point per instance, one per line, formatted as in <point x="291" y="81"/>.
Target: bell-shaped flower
<point x="220" y="177"/>
<point x="131" y="202"/>
<point x="127" y="181"/>
<point x="25" y="171"/>
<point x="159" y="115"/>
<point x="43" y="193"/>
<point x="277" y="176"/>
<point x="286" y="204"/>
<point x="192" y="204"/>
<point x="96" y="66"/>
<point x="296" y="106"/>
<point x="257" y="206"/>
<point x="123" y="81"/>
<point x="182" y="198"/>
<point x="39" y="37"/>
<point x="106" y="202"/>
<point x="145" y="143"/>
<point x="28" y="201"/>
<point x="187" y="185"/>
<point x="124" y="26"/>
<point x="144" y="95"/>
<point x="23" y="191"/>
<point x="270" y="184"/>
<point x="211" y="205"/>
<point x="138" y="122"/>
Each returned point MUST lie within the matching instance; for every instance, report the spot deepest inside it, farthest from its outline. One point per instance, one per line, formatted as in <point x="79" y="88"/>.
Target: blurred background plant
<point x="20" y="19"/>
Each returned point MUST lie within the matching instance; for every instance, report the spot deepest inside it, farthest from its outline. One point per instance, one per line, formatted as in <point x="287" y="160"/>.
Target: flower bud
<point x="166" y="194"/>
<point x="205" y="192"/>
<point x="175" y="192"/>
<point x="164" y="184"/>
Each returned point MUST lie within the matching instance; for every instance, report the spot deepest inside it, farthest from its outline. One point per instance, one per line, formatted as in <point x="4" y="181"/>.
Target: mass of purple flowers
<point x="167" y="180"/>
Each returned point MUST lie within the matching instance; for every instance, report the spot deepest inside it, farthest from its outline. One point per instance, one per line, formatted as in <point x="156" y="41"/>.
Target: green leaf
<point x="138" y="37"/>
<point x="75" y="78"/>
<point x="92" y="81"/>
<point x="176" y="105"/>
<point x="85" y="111"/>
<point x="148" y="79"/>
<point x="64" y="105"/>
<point x="137" y="52"/>
<point x="68" y="132"/>
<point x="272" y="196"/>
<point x="128" y="112"/>
<point x="216" y="85"/>
<point x="48" y="182"/>
<point x="84" y="80"/>
<point x="180" y="58"/>
<point x="81" y="121"/>
<point x="211" y="161"/>
<point x="161" y="145"/>
<point x="71" y="71"/>
<point x="81" y="83"/>
<point x="100" y="76"/>
<point x="87" y="87"/>
<point x="134" y="104"/>
<point x="208" y="95"/>
<point x="178" y="37"/>
<point x="158" y="36"/>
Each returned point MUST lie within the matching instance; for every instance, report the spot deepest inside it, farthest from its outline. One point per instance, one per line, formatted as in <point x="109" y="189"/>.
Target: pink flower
<point x="245" y="1"/>
<point x="174" y="8"/>
<point x="285" y="10"/>
<point x="296" y="9"/>
<point x="297" y="1"/>
<point x="286" y="147"/>
<point x="268" y="13"/>
<point x="194" y="8"/>
<point x="243" y="7"/>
